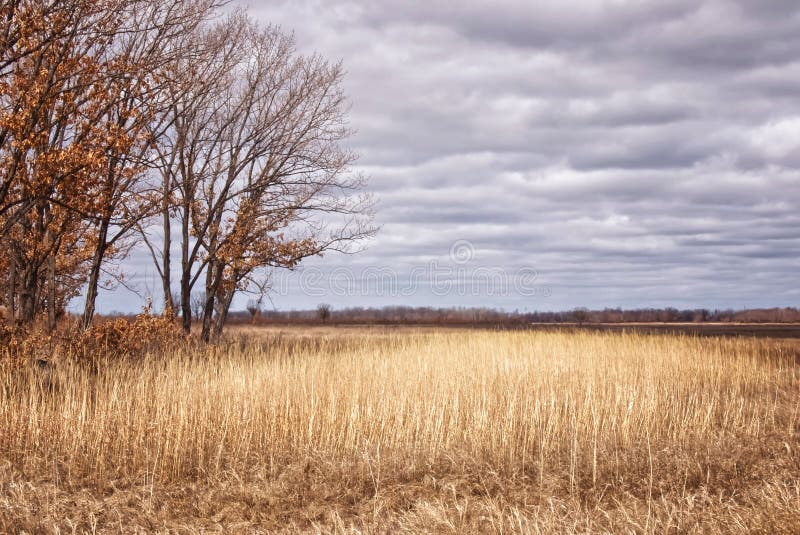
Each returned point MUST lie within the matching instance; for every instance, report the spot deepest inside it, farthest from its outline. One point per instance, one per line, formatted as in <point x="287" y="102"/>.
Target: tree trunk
<point x="186" y="269"/>
<point x="208" y="314"/>
<point x="213" y="281"/>
<point x="94" y="275"/>
<point x="186" y="302"/>
<point x="224" y="305"/>
<point x="27" y="295"/>
<point x="51" y="292"/>
<point x="12" y="289"/>
<point x="166" y="274"/>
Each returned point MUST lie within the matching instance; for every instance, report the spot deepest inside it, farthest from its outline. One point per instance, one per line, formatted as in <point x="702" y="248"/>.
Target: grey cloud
<point x="524" y="24"/>
<point x="633" y="153"/>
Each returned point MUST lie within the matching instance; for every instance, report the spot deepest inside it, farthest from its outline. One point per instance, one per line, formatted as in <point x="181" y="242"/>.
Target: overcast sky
<point x="628" y="153"/>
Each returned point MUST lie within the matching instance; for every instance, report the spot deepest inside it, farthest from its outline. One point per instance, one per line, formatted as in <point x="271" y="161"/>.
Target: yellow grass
<point x="456" y="431"/>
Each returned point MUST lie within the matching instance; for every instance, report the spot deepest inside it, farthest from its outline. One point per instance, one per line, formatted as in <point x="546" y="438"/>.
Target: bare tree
<point x="261" y="179"/>
<point x="324" y="312"/>
<point x="152" y="39"/>
<point x="198" y="301"/>
<point x="254" y="309"/>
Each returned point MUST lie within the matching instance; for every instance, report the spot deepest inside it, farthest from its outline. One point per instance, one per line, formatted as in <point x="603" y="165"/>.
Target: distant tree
<point x="580" y="315"/>
<point x="197" y="302"/>
<point x="323" y="312"/>
<point x="254" y="309"/>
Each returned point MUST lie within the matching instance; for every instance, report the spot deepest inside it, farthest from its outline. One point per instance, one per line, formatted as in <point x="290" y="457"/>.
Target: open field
<point x="412" y="430"/>
<point x="750" y="330"/>
<point x="785" y="331"/>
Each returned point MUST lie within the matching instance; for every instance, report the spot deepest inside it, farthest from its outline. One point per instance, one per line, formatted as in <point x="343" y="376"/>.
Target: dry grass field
<point x="411" y="430"/>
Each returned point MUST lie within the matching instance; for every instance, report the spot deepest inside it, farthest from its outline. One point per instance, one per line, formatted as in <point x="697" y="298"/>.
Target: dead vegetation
<point x="411" y="431"/>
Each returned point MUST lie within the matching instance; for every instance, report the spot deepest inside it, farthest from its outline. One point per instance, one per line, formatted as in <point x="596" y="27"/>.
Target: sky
<point x="548" y="155"/>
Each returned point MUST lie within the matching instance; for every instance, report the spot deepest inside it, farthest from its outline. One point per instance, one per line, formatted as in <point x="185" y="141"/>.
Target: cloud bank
<point x="634" y="153"/>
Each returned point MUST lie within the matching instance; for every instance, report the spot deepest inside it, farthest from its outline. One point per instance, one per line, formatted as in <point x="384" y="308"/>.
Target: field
<point x="376" y="430"/>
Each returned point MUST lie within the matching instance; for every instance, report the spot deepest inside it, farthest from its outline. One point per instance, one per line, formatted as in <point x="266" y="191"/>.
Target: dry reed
<point x="441" y="431"/>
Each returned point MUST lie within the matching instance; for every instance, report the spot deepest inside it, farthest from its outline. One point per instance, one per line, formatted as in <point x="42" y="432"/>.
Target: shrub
<point x="124" y="339"/>
<point x="106" y="341"/>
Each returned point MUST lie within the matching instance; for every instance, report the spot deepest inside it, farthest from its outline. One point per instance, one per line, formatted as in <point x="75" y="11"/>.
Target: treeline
<point x="205" y="138"/>
<point x="470" y="316"/>
<point x="667" y="315"/>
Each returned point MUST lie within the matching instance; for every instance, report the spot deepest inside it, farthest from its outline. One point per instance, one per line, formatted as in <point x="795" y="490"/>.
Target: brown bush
<point x="20" y="347"/>
<point x="124" y="339"/>
<point x="106" y="341"/>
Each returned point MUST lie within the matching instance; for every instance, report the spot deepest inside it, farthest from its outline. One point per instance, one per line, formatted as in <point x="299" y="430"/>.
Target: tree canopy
<point x="163" y="123"/>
